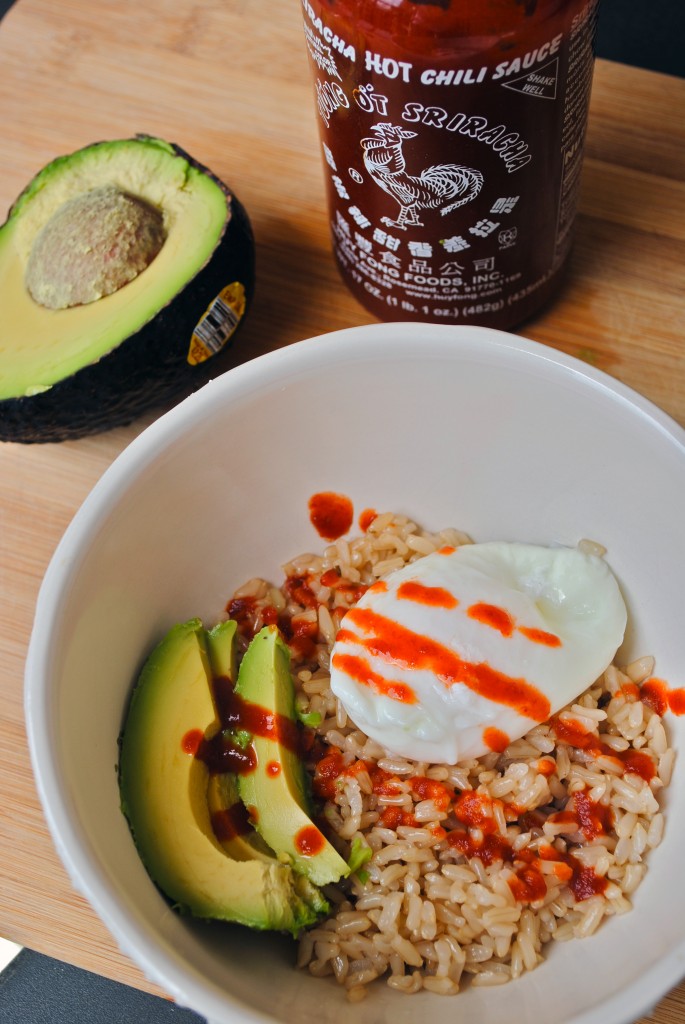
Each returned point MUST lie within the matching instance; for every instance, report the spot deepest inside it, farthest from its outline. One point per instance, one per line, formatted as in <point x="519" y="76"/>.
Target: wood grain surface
<point x="228" y="80"/>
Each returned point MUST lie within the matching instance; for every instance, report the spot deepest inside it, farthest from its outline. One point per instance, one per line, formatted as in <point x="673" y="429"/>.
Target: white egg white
<point x="524" y="619"/>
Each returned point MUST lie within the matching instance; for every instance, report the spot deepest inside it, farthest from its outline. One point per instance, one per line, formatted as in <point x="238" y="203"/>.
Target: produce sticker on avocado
<point x="218" y="323"/>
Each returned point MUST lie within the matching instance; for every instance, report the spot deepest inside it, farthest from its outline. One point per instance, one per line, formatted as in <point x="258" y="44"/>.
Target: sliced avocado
<point x="164" y="797"/>
<point x="125" y="268"/>
<point x="229" y="816"/>
<point x="276" y="792"/>
<point x="221" y="647"/>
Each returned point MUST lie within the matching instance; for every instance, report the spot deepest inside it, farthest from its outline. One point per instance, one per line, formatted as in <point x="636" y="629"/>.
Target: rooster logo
<point x="443" y="186"/>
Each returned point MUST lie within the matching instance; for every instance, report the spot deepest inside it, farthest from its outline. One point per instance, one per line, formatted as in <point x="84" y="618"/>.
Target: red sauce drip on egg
<point x="398" y="645"/>
<point x="491" y="615"/>
<point x="540" y="636"/>
<point x="495" y="739"/>
<point x="434" y="597"/>
<point x="360" y="670"/>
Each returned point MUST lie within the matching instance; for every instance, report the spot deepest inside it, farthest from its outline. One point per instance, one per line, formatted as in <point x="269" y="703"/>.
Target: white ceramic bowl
<point x="455" y="426"/>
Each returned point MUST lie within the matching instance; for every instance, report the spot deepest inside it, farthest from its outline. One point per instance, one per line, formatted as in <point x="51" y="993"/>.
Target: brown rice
<point x="563" y="817"/>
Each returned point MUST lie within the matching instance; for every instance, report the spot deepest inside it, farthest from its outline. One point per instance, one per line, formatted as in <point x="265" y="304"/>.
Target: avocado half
<point x="104" y="360"/>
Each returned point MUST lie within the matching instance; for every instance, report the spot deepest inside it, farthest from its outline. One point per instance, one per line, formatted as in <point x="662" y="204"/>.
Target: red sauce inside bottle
<point x="452" y="136"/>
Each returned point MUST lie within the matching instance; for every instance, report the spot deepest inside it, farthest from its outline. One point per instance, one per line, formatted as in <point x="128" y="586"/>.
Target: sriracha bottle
<point x="452" y="136"/>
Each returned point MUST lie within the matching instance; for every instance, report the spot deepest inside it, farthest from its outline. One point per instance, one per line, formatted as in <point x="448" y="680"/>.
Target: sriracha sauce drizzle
<point x="472" y="821"/>
<point x="331" y="514"/>
<point x="220" y="752"/>
<point x="401" y="646"/>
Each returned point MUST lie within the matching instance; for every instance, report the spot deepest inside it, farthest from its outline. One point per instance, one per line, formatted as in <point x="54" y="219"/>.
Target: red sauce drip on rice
<point x="393" y="817"/>
<point x="583" y="881"/>
<point x="366" y="518"/>
<point x="528" y="884"/>
<point x="331" y="514"/>
<point x="500" y="619"/>
<point x="489" y="848"/>
<point x="661" y="698"/>
<point x="576" y="735"/>
<point x="594" y="819"/>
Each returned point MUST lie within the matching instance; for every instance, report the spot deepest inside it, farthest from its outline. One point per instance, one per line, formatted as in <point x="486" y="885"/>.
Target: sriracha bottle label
<point x="452" y="162"/>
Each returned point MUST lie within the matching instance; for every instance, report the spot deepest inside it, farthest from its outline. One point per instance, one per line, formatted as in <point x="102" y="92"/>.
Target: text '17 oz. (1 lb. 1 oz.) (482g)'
<point x="452" y="139"/>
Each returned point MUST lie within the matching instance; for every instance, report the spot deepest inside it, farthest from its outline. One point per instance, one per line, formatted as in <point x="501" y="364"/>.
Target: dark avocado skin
<point x="148" y="369"/>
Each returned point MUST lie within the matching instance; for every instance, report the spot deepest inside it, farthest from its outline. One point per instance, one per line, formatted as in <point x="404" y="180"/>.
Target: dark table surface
<point x="35" y="989"/>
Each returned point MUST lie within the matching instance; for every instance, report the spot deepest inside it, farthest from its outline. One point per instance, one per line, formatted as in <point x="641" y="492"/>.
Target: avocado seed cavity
<point x="92" y="246"/>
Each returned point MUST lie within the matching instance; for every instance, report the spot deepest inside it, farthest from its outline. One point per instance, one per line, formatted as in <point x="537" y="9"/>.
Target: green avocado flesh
<point x="278" y="786"/>
<point x="110" y="261"/>
<point x="40" y="346"/>
<point x="170" y="799"/>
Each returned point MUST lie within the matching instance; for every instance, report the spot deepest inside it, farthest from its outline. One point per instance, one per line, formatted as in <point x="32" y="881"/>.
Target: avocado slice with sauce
<point x="276" y="792"/>
<point x="164" y="794"/>
<point x="125" y="269"/>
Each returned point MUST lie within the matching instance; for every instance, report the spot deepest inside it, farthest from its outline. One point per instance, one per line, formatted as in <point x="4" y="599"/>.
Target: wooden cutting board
<point x="228" y="80"/>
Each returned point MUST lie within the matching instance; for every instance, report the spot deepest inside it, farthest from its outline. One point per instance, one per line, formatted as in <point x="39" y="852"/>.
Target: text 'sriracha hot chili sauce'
<point x="452" y="135"/>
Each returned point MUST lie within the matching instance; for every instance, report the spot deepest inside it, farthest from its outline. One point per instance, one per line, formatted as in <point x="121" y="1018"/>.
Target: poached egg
<point x="463" y="651"/>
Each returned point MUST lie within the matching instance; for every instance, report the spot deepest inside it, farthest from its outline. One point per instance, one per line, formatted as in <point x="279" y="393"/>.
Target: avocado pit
<point x="92" y="246"/>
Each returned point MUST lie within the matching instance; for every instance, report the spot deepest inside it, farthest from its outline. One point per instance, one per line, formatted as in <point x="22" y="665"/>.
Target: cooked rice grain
<point x="428" y="913"/>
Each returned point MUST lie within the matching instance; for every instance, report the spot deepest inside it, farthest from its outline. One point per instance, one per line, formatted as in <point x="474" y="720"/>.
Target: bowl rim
<point x="133" y="935"/>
